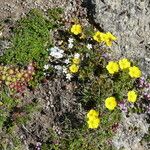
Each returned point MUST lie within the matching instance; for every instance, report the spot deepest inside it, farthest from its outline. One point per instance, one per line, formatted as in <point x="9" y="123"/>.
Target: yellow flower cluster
<point x="93" y="119"/>
<point x="124" y="63"/>
<point x="111" y="102"/>
<point x="76" y="29"/>
<point x="107" y="38"/>
<point x="75" y="64"/>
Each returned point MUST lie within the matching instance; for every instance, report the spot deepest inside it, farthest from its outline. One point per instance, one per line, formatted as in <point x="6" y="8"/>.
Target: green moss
<point x="30" y="39"/>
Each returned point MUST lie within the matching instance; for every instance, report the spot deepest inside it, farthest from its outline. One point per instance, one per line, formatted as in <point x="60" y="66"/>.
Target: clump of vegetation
<point x="12" y="115"/>
<point x="16" y="79"/>
<point x="106" y="88"/>
<point x="104" y="84"/>
<point x="30" y="40"/>
<point x="13" y="110"/>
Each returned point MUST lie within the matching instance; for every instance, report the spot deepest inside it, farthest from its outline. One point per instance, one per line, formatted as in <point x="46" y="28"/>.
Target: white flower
<point x="57" y="55"/>
<point x="64" y="70"/>
<point x="67" y="61"/>
<point x="46" y="67"/>
<point x="58" y="67"/>
<point x="89" y="46"/>
<point x="56" y="52"/>
<point x="70" y="40"/>
<point x="68" y="76"/>
<point x="70" y="45"/>
<point x="76" y="55"/>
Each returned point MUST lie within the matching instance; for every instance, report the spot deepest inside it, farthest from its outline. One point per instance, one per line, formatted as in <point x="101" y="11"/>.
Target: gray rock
<point x="129" y="20"/>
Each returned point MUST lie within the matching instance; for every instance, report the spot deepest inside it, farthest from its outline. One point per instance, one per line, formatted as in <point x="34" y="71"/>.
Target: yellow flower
<point x="76" y="60"/>
<point x="93" y="120"/>
<point x="124" y="63"/>
<point x="110" y="103"/>
<point x="135" y="72"/>
<point x="108" y="38"/>
<point x="112" y="67"/>
<point x="74" y="68"/>
<point x="76" y="29"/>
<point x="132" y="96"/>
<point x="92" y="113"/>
<point x="98" y="36"/>
<point x="93" y="123"/>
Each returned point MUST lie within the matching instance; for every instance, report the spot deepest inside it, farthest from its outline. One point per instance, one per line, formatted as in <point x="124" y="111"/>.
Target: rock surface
<point x="14" y="9"/>
<point x="129" y="20"/>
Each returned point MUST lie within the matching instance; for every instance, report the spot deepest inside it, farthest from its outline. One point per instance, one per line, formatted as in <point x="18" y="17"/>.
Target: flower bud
<point x="11" y="71"/>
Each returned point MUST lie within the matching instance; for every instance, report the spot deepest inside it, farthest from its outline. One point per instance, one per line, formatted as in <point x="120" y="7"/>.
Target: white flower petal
<point x="46" y="66"/>
<point x="89" y="46"/>
<point x="64" y="70"/>
<point x="61" y="51"/>
<point x="70" y="45"/>
<point x="70" y="40"/>
<point x="56" y="55"/>
<point x="67" y="61"/>
<point x="68" y="76"/>
<point x="76" y="55"/>
<point x="58" y="67"/>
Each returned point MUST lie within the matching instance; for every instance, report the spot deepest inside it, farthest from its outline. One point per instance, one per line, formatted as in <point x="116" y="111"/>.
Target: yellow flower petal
<point x="108" y="43"/>
<point x="93" y="123"/>
<point x="92" y="113"/>
<point x="98" y="36"/>
<point x="108" y="38"/>
<point x="76" y="60"/>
